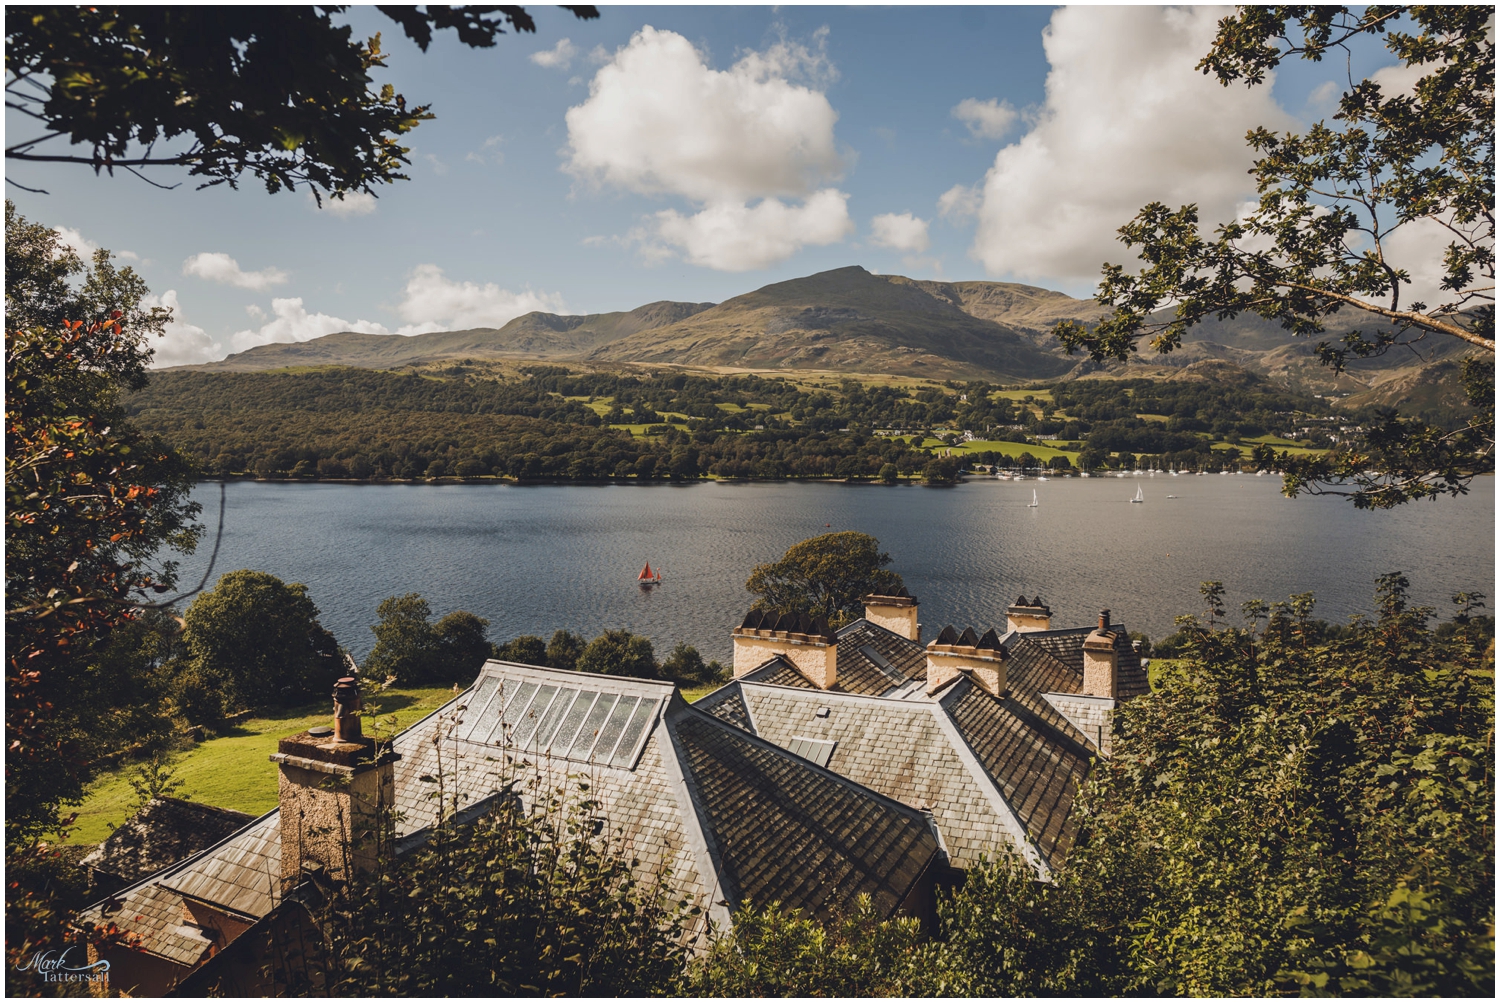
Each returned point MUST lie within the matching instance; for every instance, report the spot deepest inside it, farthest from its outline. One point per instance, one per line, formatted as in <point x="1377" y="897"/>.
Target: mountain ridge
<point x="847" y="320"/>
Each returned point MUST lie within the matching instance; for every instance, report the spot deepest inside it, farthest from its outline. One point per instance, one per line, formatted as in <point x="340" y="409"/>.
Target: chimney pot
<point x="1104" y="619"/>
<point x="346" y="708"/>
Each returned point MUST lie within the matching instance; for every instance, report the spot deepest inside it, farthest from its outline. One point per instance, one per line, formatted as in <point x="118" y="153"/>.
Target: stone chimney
<point x="337" y="790"/>
<point x="1028" y="614"/>
<point x="896" y="612"/>
<point x="953" y="654"/>
<point x="803" y="640"/>
<point x="1101" y="662"/>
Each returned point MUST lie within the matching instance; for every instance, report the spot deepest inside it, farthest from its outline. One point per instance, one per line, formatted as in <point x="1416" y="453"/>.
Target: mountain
<point x="531" y="336"/>
<point x="845" y="319"/>
<point x="851" y="320"/>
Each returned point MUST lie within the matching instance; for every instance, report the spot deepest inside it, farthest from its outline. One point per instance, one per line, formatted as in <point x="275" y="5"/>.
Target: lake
<point x="536" y="558"/>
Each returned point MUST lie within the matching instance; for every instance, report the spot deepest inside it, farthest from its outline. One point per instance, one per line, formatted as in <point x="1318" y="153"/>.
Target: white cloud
<point x="899" y="232"/>
<point x="438" y="167"/>
<point x="216" y="266"/>
<point x="352" y="204"/>
<point x="960" y="202"/>
<point x="1322" y="100"/>
<point x="291" y="322"/>
<point x="489" y="152"/>
<point x="559" y="57"/>
<point x="181" y="343"/>
<point x="433" y="302"/>
<point x="255" y="312"/>
<point x="1127" y="120"/>
<point x="660" y="121"/>
<point x="1400" y="79"/>
<point x="81" y="245"/>
<point x="990" y="119"/>
<point x="732" y="237"/>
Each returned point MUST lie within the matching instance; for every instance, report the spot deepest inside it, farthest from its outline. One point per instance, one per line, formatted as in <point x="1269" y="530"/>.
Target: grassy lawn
<point x="1016" y="395"/>
<point x="232" y="770"/>
<point x="1012" y="449"/>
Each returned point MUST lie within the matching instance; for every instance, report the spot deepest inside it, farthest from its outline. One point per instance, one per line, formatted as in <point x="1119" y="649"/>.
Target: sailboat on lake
<point x="1139" y="497"/>
<point x="1033" y="499"/>
<point x="647" y="578"/>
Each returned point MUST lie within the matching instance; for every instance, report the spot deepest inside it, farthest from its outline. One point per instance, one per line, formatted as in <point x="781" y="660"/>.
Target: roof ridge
<point x="844" y="781"/>
<point x="172" y="869"/>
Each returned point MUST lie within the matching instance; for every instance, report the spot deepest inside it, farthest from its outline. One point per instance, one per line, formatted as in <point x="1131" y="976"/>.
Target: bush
<point x="620" y="653"/>
<point x="417" y="653"/>
<point x="685" y="667"/>
<point x="563" y="650"/>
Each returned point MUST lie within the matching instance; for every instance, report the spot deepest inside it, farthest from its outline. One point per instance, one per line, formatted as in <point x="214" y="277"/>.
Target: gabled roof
<point x="909" y="750"/>
<point x="781" y="829"/>
<point x="729" y="817"/>
<point x="1067" y="647"/>
<point x="1038" y="760"/>
<point x="163" y="832"/>
<point x="240" y="874"/>
<point x="874" y="660"/>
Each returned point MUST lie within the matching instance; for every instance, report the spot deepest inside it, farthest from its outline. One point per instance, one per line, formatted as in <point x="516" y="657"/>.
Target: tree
<point x="256" y="640"/>
<point x="564" y="648"/>
<point x="619" y="653"/>
<point x="526" y="650"/>
<point x="686" y="667"/>
<point x="772" y="952"/>
<point x="825" y="576"/>
<point x="92" y="507"/>
<point x="1320" y="241"/>
<point x="416" y="652"/>
<point x="1282" y="814"/>
<point x="280" y="92"/>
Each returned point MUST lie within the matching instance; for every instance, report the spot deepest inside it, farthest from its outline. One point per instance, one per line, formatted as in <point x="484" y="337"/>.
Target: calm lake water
<point x="533" y="559"/>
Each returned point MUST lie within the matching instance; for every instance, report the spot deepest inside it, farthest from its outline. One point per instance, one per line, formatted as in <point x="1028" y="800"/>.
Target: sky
<point x="695" y="153"/>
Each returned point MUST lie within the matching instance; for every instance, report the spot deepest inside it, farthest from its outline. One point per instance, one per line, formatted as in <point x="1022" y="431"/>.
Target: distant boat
<point x="1139" y="498"/>
<point x="1041" y="478"/>
<point x="647" y="577"/>
<point x="1033" y="499"/>
<point x="1171" y="496"/>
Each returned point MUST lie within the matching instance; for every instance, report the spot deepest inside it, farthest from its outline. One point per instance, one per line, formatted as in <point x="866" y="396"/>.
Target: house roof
<point x="1038" y="761"/>
<point x="730" y="818"/>
<point x="909" y="750"/>
<point x="240" y="874"/>
<point x="163" y="832"/>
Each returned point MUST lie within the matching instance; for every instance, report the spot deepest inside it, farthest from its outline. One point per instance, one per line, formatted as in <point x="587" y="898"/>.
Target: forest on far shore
<point x="550" y="423"/>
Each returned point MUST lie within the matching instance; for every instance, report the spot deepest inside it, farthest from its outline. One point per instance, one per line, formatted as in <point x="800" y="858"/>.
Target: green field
<point x="1012" y="449"/>
<point x="232" y="770"/>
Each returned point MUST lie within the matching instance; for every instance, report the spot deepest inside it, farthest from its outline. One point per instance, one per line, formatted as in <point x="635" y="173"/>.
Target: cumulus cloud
<point x="216" y="266"/>
<point x="660" y="121"/>
<point x="84" y="247"/>
<point x="291" y="322"/>
<point x="899" y="232"/>
<point x="352" y="204"/>
<point x="559" y="57"/>
<point x="1127" y="120"/>
<point x="489" y="152"/>
<point x="181" y="343"/>
<point x="81" y="245"/>
<point x="735" y="238"/>
<point x="990" y="119"/>
<point x="434" y="302"/>
<point x="960" y="202"/>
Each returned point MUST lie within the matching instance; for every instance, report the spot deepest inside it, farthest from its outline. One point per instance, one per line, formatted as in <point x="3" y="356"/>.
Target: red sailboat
<point x="647" y="577"/>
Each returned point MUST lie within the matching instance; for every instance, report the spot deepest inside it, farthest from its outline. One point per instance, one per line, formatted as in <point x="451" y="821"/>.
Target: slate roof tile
<point x="1038" y="767"/>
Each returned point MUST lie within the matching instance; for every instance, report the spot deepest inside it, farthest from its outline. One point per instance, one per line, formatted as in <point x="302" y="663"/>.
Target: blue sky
<point x="694" y="153"/>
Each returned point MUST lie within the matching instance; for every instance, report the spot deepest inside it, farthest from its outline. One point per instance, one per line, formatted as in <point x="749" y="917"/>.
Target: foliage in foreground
<point x="1325" y="236"/>
<point x="1280" y="816"/>
<point x="520" y="903"/>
